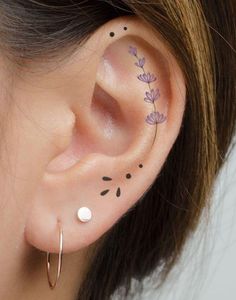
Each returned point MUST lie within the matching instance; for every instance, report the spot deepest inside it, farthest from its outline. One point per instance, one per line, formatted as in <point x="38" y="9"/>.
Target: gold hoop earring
<point x="59" y="266"/>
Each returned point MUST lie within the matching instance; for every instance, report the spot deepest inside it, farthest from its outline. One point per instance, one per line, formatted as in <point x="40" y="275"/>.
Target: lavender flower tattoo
<point x="155" y="117"/>
<point x="152" y="95"/>
<point x="148" y="78"/>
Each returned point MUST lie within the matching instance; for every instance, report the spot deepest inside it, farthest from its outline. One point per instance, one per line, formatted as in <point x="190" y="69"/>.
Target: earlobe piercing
<point x="84" y="214"/>
<point x="52" y="285"/>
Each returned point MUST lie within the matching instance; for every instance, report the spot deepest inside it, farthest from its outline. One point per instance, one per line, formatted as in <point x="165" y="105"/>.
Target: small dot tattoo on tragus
<point x="118" y="190"/>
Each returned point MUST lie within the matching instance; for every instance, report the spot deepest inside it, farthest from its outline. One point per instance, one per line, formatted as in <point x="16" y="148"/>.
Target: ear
<point x="124" y="94"/>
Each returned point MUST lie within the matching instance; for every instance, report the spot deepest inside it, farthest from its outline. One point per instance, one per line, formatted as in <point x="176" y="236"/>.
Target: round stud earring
<point x="84" y="214"/>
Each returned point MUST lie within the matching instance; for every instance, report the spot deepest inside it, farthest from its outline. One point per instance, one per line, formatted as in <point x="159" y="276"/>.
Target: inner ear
<point x="104" y="128"/>
<point x="106" y="110"/>
<point x="110" y="119"/>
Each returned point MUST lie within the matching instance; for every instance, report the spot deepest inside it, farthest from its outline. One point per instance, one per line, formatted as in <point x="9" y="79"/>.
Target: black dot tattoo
<point x="125" y="28"/>
<point x="118" y="192"/>
<point x="112" y="34"/>
<point x="106" y="178"/>
<point x="103" y="193"/>
<point x="140" y="166"/>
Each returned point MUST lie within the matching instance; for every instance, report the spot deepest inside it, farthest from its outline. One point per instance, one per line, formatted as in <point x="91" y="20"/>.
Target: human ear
<point x="118" y="105"/>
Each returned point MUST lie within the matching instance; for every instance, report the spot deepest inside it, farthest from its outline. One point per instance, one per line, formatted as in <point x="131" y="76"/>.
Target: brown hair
<point x="202" y="34"/>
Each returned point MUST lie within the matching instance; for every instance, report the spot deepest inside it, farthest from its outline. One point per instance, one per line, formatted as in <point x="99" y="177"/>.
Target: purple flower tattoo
<point x="147" y="77"/>
<point x="140" y="62"/>
<point x="133" y="51"/>
<point x="155" y="118"/>
<point x="152" y="95"/>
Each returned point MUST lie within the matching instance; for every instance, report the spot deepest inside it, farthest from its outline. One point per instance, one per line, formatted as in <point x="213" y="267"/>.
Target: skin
<point x="65" y="126"/>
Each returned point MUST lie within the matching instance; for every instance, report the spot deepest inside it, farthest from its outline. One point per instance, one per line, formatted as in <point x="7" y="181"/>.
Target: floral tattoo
<point x="153" y="118"/>
<point x="151" y="95"/>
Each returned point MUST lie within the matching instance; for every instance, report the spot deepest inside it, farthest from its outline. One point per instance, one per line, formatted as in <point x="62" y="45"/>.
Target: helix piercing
<point x="52" y="285"/>
<point x="84" y="214"/>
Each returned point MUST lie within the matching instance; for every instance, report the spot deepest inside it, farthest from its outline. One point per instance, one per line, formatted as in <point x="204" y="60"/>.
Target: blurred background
<point x="207" y="269"/>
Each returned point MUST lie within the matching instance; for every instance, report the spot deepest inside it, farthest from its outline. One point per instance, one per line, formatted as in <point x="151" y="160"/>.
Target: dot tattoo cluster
<point x="112" y="33"/>
<point x="103" y="193"/>
<point x="118" y="190"/>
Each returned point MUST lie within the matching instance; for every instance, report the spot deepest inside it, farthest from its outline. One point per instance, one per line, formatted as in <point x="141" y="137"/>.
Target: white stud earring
<point x="84" y="214"/>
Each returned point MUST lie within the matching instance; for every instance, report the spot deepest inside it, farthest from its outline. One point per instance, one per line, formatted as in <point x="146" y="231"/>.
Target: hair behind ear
<point x="153" y="232"/>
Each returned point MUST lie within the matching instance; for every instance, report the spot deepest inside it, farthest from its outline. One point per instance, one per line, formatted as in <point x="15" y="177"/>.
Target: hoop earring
<point x="60" y="254"/>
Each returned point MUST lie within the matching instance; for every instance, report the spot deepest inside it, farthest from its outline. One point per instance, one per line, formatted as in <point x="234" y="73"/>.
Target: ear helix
<point x="151" y="95"/>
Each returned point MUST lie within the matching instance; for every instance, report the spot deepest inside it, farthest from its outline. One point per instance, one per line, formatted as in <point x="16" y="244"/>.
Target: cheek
<point x="34" y="129"/>
<point x="22" y="154"/>
<point x="20" y="163"/>
<point x="20" y="159"/>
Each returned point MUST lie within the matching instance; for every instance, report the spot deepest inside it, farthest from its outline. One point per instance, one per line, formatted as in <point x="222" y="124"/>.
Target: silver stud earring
<point x="84" y="214"/>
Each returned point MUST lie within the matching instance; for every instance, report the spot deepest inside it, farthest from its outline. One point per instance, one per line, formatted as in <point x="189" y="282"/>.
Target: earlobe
<point x="124" y="130"/>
